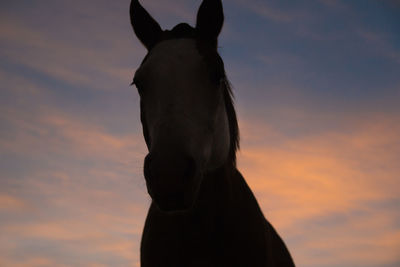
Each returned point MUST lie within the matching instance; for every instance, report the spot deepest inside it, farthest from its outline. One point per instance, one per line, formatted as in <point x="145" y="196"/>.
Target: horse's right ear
<point x="145" y="27"/>
<point x="210" y="19"/>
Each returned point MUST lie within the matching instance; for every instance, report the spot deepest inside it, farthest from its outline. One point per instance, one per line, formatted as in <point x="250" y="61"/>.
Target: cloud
<point x="324" y="191"/>
<point x="50" y="130"/>
<point x="269" y="11"/>
<point x="33" y="261"/>
<point x="167" y="11"/>
<point x="11" y="203"/>
<point x="70" y="187"/>
<point x="72" y="192"/>
<point x="77" y="66"/>
<point x="334" y="4"/>
<point x="380" y="43"/>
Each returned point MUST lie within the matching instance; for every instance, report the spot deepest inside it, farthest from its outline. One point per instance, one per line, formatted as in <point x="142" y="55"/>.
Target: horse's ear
<point x="210" y="19"/>
<point x="145" y="27"/>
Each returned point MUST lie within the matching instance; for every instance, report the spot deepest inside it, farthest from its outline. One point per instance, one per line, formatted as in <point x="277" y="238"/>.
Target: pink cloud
<point x="83" y="65"/>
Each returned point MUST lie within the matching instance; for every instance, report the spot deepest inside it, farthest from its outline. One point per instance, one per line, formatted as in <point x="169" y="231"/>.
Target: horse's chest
<point x="198" y="241"/>
<point x="179" y="241"/>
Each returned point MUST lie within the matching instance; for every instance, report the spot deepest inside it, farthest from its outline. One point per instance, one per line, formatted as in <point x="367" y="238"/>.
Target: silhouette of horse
<point x="202" y="213"/>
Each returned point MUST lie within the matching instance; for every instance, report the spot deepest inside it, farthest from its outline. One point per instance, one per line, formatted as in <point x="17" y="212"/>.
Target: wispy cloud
<point x="11" y="203"/>
<point x="68" y="185"/>
<point x="380" y="43"/>
<point x="270" y="11"/>
<point x="323" y="191"/>
<point x="79" y="66"/>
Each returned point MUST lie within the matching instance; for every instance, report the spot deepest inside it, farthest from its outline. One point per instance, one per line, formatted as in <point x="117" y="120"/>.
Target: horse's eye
<point x="139" y="88"/>
<point x="138" y="85"/>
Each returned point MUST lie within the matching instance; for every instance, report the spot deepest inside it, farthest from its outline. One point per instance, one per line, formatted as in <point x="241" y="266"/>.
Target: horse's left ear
<point x="210" y="19"/>
<point x="144" y="26"/>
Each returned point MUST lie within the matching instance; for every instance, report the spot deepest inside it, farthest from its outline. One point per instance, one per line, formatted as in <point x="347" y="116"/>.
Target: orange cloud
<point x="314" y="187"/>
<point x="11" y="203"/>
<point x="95" y="208"/>
<point x="31" y="262"/>
<point x="320" y="190"/>
<point x="49" y="130"/>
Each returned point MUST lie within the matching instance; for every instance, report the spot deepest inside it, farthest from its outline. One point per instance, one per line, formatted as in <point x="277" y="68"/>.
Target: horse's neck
<point x="223" y="198"/>
<point x="225" y="227"/>
<point x="217" y="189"/>
<point x="224" y="194"/>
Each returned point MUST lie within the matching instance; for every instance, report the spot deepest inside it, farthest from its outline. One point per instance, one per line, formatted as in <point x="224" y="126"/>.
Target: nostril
<point x="147" y="166"/>
<point x="184" y="167"/>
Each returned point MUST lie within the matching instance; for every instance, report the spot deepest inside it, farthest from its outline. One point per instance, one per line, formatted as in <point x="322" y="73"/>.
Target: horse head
<point x="187" y="114"/>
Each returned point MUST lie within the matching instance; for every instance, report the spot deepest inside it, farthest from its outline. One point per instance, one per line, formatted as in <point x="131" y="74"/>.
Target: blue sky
<point x="317" y="87"/>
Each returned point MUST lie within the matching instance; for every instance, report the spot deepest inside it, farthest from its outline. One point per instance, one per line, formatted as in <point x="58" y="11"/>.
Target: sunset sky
<point x="317" y="86"/>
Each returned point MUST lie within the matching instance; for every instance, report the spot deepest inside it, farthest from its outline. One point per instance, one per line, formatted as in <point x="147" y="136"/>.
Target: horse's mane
<point x="232" y="119"/>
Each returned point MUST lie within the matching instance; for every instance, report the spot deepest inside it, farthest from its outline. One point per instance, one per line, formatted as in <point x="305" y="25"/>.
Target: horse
<point x="202" y="212"/>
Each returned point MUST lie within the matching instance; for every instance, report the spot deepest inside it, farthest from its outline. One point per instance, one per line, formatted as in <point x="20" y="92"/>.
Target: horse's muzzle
<point x="169" y="179"/>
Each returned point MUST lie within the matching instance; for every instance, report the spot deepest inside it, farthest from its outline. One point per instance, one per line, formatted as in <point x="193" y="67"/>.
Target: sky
<point x="317" y="92"/>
